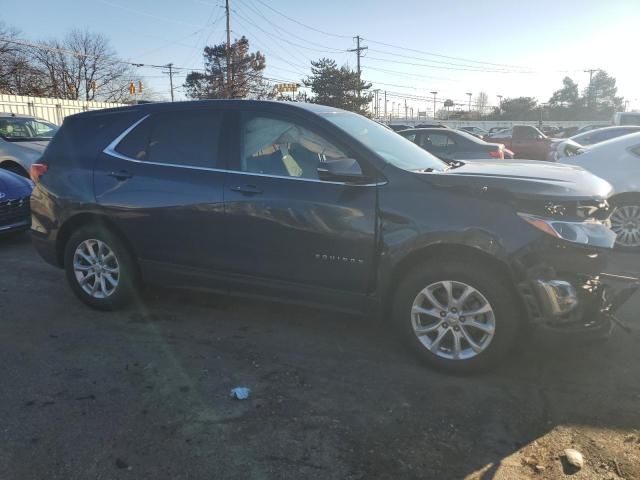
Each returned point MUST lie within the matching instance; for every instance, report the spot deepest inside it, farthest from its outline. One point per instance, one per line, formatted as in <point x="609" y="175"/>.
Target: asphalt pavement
<point x="144" y="393"/>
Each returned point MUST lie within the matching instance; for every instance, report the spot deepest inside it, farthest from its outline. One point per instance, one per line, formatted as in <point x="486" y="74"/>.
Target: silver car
<point x="23" y="138"/>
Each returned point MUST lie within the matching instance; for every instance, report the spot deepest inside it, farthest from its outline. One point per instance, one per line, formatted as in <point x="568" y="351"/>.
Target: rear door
<point x="162" y="182"/>
<point x="284" y="222"/>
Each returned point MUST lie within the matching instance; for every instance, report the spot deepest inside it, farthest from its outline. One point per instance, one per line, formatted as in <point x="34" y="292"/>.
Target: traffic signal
<point x="132" y="88"/>
<point x="140" y="89"/>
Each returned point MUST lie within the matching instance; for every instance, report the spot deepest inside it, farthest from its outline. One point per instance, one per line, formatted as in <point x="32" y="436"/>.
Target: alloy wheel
<point x="96" y="268"/>
<point x="453" y="320"/>
<point x="625" y="223"/>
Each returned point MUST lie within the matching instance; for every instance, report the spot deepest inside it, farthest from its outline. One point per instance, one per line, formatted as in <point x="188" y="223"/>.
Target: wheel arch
<point x="9" y="164"/>
<point x="440" y="252"/>
<point x="624" y="196"/>
<point x="84" y="219"/>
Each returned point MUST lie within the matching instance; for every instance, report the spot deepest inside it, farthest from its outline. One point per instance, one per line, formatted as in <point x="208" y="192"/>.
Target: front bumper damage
<point x="564" y="289"/>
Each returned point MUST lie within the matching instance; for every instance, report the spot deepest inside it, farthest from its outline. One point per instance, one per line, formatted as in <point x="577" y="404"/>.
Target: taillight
<point x="37" y="170"/>
<point x="497" y="154"/>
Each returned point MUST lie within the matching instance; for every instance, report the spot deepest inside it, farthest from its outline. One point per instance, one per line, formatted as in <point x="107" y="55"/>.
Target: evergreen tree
<point x="338" y="87"/>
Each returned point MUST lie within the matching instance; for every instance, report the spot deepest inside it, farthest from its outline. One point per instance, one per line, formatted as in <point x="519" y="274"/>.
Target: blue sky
<point x="548" y="39"/>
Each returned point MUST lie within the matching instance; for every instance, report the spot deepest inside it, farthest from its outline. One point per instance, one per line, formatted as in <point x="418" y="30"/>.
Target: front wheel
<point x="99" y="268"/>
<point x="625" y="223"/>
<point x="457" y="316"/>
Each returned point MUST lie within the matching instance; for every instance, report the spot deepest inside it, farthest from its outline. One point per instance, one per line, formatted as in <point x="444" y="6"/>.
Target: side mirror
<point x="540" y="137"/>
<point x="342" y="170"/>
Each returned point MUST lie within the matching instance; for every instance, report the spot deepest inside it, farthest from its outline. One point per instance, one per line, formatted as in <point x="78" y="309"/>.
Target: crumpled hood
<point x="526" y="179"/>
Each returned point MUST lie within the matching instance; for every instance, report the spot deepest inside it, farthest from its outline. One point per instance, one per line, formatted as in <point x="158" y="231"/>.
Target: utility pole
<point x="358" y="51"/>
<point x="590" y="72"/>
<point x="470" y="94"/>
<point x="170" y="72"/>
<point x="499" y="101"/>
<point x="376" y="104"/>
<point x="405" y="109"/>
<point x="385" y="104"/>
<point x="434" y="104"/>
<point x="229" y="90"/>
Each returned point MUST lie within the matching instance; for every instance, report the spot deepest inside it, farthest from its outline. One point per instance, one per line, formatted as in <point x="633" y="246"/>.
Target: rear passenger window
<point x="186" y="138"/>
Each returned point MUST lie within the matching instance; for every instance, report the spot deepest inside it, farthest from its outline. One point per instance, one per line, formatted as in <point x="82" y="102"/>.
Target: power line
<point x="303" y="24"/>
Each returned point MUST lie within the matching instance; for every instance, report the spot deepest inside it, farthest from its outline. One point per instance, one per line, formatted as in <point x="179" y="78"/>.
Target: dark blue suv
<point x="315" y="205"/>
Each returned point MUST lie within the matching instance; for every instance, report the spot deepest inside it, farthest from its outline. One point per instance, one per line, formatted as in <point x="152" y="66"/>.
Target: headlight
<point x="592" y="233"/>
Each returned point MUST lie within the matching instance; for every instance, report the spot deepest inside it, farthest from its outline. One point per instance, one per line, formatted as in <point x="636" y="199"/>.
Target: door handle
<point x="121" y="175"/>
<point x="246" y="189"/>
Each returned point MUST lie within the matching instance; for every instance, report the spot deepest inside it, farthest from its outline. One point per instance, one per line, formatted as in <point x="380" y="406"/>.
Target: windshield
<point x="393" y="148"/>
<point x="15" y="129"/>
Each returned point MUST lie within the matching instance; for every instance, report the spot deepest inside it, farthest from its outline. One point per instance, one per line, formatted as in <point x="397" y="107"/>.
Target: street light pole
<point x="499" y="101"/>
<point x="470" y="94"/>
<point x="434" y="104"/>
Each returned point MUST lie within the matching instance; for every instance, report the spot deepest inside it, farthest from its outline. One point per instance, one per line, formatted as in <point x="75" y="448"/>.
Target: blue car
<point x="15" y="191"/>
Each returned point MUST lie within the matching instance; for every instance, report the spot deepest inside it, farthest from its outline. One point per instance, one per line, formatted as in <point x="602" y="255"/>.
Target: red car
<point x="524" y="141"/>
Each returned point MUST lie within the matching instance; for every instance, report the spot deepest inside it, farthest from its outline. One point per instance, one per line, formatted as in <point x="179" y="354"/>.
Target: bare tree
<point x="482" y="100"/>
<point x="17" y="74"/>
<point x="83" y="67"/>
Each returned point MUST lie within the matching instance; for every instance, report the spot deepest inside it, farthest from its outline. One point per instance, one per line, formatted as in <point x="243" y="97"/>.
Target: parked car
<point x="449" y="145"/>
<point x="398" y="127"/>
<point x="626" y="118"/>
<point x="477" y="131"/>
<point x="493" y="130"/>
<point x="430" y="125"/>
<point x="588" y="128"/>
<point x="617" y="161"/>
<point x="22" y="140"/>
<point x="320" y="206"/>
<point x="574" y="145"/>
<point x="14" y="202"/>
<point x="524" y="141"/>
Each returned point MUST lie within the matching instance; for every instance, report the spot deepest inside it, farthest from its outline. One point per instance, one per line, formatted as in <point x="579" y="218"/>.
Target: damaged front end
<point x="564" y="281"/>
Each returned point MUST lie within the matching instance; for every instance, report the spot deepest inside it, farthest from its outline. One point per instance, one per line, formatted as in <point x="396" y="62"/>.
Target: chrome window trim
<point x="111" y="150"/>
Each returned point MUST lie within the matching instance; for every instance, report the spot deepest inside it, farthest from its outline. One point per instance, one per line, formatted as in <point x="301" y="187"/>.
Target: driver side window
<point x="281" y="148"/>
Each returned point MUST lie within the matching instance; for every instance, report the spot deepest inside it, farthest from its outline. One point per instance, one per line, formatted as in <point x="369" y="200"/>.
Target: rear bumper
<point x="45" y="247"/>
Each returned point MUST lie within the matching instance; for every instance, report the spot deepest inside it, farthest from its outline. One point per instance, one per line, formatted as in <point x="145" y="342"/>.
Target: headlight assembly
<point x="589" y="232"/>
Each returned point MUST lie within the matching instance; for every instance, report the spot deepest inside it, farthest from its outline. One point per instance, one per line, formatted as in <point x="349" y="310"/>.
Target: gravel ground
<point x="144" y="393"/>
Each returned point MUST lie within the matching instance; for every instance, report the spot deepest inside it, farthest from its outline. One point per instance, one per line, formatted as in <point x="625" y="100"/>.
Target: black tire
<point x="624" y="201"/>
<point x="490" y="283"/>
<point x="17" y="169"/>
<point x="128" y="278"/>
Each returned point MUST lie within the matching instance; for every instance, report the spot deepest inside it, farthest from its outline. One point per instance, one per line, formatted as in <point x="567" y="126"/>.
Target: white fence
<point x="51" y="109"/>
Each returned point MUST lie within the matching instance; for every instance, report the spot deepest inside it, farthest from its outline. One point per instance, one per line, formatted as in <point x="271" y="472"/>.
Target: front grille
<point x="14" y="211"/>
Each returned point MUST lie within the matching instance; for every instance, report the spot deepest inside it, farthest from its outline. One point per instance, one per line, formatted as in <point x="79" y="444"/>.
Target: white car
<point x="23" y="138"/>
<point x="617" y="161"/>
<point x="573" y="144"/>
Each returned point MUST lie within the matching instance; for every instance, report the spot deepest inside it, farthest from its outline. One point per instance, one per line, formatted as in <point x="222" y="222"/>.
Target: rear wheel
<point x="459" y="317"/>
<point x="625" y="222"/>
<point x="99" y="268"/>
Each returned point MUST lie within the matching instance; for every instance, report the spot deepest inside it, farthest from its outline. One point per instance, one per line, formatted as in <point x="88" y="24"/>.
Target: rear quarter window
<point x="183" y="138"/>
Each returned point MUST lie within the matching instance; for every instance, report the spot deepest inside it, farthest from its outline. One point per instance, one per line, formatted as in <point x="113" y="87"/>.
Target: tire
<point x="497" y="332"/>
<point x="118" y="266"/>
<point x="625" y="223"/>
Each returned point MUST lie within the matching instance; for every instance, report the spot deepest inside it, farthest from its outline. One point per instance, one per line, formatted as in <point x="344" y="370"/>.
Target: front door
<point x="162" y="184"/>
<point x="284" y="223"/>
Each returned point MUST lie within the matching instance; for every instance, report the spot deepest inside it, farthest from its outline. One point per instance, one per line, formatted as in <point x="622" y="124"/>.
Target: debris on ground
<point x="240" y="393"/>
<point x="574" y="458"/>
